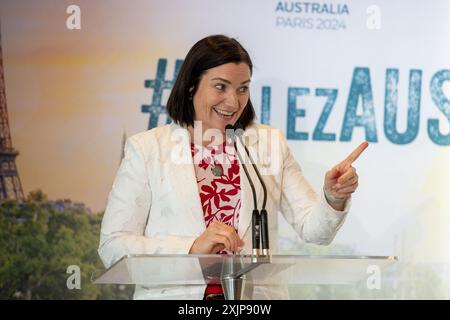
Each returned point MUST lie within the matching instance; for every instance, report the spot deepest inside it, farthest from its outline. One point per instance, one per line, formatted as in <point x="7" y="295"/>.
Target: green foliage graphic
<point x="39" y="239"/>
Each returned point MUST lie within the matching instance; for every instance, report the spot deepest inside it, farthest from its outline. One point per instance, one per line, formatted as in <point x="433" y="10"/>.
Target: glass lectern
<point x="239" y="273"/>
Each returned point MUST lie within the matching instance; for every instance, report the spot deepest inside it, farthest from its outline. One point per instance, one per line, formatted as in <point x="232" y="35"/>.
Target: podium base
<point x="237" y="288"/>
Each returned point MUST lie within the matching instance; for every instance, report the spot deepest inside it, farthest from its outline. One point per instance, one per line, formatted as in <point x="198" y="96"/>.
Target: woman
<point x="180" y="190"/>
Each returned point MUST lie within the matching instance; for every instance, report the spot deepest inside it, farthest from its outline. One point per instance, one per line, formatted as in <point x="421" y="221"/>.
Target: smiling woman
<point x="212" y="85"/>
<point x="203" y="205"/>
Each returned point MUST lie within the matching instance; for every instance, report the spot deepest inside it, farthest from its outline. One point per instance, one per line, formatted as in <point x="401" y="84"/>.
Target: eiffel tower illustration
<point x="10" y="186"/>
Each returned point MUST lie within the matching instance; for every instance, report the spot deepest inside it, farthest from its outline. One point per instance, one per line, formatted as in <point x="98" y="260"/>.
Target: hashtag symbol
<point x="158" y="85"/>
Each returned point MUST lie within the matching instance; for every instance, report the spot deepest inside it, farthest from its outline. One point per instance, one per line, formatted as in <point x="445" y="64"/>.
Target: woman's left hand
<point x="341" y="181"/>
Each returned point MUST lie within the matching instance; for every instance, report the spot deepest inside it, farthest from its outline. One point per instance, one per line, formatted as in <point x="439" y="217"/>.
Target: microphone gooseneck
<point x="230" y="132"/>
<point x="262" y="217"/>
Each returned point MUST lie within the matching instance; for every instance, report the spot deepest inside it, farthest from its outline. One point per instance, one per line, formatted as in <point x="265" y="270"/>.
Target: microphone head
<point x="238" y="129"/>
<point x="229" y="131"/>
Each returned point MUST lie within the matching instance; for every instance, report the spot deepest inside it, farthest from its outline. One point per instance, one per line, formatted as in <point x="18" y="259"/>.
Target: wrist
<point x="333" y="200"/>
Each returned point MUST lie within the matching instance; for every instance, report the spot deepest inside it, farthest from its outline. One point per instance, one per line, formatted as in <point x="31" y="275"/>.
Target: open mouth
<point x="224" y="114"/>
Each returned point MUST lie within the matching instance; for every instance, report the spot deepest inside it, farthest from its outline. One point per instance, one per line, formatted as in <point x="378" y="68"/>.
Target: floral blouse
<point x="219" y="186"/>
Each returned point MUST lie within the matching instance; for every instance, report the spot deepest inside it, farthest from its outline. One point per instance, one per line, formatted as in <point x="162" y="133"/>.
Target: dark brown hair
<point x="207" y="53"/>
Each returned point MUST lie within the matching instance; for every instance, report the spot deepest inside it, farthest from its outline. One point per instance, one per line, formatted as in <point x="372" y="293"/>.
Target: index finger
<point x="356" y="153"/>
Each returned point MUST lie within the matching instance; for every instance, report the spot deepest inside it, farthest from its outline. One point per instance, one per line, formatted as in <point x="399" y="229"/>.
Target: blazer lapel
<point x="183" y="177"/>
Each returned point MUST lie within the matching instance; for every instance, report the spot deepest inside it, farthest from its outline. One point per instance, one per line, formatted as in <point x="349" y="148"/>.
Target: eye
<point x="243" y="89"/>
<point x="220" y="86"/>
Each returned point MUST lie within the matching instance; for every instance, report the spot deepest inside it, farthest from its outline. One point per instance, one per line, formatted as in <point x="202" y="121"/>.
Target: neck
<point x="198" y="136"/>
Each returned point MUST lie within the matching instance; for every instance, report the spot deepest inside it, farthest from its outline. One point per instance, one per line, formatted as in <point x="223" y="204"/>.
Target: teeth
<point x="223" y="112"/>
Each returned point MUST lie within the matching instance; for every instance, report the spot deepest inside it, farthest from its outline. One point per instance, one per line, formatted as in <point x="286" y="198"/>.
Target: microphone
<point x="230" y="132"/>
<point x="239" y="131"/>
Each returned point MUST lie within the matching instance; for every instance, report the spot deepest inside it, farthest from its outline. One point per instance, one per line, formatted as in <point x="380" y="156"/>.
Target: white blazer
<point x="154" y="206"/>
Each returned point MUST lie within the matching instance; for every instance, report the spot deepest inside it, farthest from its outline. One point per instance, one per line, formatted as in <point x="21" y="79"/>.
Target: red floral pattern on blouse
<point x="220" y="196"/>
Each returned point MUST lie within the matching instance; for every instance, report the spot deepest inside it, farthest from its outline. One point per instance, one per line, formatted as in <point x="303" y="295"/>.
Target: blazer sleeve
<point x="127" y="211"/>
<point x="307" y="212"/>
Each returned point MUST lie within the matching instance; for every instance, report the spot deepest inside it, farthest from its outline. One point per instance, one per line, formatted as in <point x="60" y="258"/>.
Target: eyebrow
<point x="226" y="81"/>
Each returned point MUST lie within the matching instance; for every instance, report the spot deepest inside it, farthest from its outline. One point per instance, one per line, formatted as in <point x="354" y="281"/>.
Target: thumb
<point x="217" y="248"/>
<point x="333" y="173"/>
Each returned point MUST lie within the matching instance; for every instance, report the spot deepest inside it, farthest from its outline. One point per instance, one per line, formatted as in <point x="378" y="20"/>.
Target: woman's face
<point x="221" y="96"/>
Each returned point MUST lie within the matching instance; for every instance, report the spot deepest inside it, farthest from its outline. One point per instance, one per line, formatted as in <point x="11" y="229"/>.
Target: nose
<point x="232" y="99"/>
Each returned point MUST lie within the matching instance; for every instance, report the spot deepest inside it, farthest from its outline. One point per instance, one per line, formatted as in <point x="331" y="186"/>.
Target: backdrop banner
<point x="82" y="76"/>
